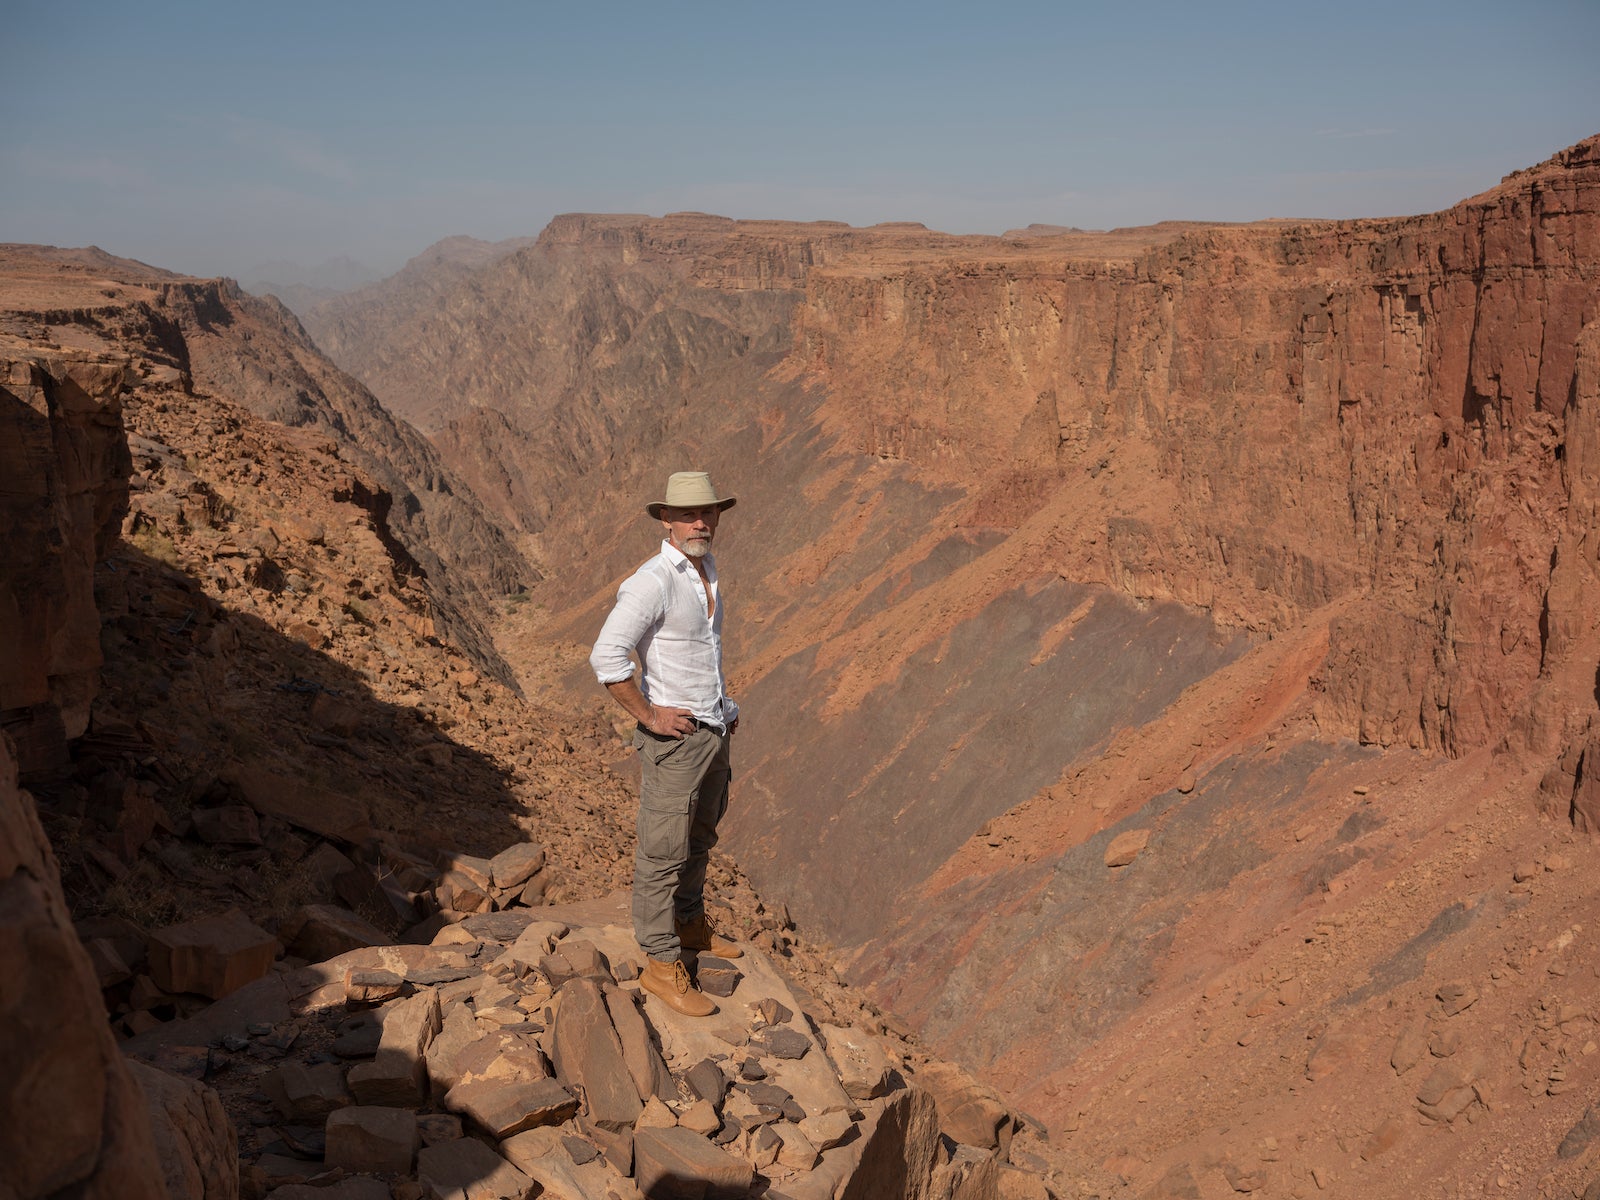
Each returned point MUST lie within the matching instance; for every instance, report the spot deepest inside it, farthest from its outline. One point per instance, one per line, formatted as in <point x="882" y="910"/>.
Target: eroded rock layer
<point x="1318" y="497"/>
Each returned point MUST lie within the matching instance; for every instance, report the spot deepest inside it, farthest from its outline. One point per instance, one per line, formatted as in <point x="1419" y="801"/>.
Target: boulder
<point x="372" y="1139"/>
<point x="307" y="1093"/>
<point x="515" y="865"/>
<point x="674" y="1163"/>
<point x="318" y="932"/>
<point x="505" y="1107"/>
<point x="397" y="1074"/>
<point x="469" y="1170"/>
<point x="317" y="810"/>
<point x="192" y="1134"/>
<point x="968" y="1111"/>
<point x="212" y="955"/>
<point x="588" y="1056"/>
<point x="898" y="1149"/>
<point x="864" y="1068"/>
<point x="1126" y="847"/>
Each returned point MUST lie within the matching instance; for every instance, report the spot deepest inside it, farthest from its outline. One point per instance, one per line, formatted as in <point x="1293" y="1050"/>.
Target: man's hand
<point x="657" y="718"/>
<point x="733" y="728"/>
<point x="669" y="722"/>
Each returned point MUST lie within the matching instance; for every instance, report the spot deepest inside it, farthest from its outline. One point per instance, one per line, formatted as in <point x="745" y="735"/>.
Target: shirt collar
<point x="680" y="560"/>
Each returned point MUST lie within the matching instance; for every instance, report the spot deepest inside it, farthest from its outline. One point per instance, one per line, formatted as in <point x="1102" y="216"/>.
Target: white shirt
<point x="661" y="614"/>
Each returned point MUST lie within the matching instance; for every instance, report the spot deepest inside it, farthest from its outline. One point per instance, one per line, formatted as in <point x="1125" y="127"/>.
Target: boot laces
<point x="680" y="978"/>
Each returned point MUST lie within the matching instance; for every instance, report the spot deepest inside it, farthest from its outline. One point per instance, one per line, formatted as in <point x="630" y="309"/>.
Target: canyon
<point x="1265" y="547"/>
<point x="287" y="862"/>
<point x="1169" y="654"/>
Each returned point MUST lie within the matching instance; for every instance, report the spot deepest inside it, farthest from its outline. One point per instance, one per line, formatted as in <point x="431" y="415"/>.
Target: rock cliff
<point x="78" y="1119"/>
<point x="1168" y="634"/>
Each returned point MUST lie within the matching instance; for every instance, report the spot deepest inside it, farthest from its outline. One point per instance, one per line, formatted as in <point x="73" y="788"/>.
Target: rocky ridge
<point x="253" y="351"/>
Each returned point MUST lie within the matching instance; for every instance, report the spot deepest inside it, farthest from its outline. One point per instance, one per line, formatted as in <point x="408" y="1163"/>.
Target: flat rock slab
<point x="263" y="1002"/>
<point x="515" y="865"/>
<point x="328" y="813"/>
<point x="469" y="1170"/>
<point x="673" y="1163"/>
<point x="645" y="1064"/>
<point x="567" y="1168"/>
<point x="500" y="926"/>
<point x="506" y="1107"/>
<point x="322" y="931"/>
<point x="588" y="1055"/>
<point x="372" y="1140"/>
<point x="780" y="1041"/>
<point x="613" y="910"/>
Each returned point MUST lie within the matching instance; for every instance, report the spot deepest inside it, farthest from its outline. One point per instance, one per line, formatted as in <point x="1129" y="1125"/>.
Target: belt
<point x="711" y="725"/>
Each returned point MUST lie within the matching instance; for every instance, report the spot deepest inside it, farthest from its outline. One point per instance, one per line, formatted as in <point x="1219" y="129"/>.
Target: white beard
<point x="696" y="548"/>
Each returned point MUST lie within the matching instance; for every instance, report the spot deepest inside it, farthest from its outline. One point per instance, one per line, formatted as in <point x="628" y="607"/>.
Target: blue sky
<point x="213" y="138"/>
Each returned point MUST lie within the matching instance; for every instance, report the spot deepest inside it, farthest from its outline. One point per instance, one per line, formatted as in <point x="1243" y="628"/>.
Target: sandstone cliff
<point x="1141" y="633"/>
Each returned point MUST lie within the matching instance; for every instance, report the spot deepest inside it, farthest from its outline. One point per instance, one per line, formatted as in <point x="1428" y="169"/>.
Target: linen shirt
<point x="661" y="615"/>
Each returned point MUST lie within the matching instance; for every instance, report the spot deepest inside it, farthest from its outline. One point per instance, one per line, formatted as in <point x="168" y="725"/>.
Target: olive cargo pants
<point x="683" y="792"/>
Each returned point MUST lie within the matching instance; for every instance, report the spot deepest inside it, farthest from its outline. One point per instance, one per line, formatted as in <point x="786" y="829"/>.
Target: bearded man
<point x="669" y="613"/>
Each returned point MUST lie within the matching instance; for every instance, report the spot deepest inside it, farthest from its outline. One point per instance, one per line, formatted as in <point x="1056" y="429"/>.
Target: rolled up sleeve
<point x="636" y="612"/>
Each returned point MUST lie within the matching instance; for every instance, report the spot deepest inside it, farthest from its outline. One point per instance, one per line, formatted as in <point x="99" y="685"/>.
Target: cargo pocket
<point x="664" y="829"/>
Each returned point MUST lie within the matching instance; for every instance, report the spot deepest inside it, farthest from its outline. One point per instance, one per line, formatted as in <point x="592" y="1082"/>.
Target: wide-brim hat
<point x="690" y="489"/>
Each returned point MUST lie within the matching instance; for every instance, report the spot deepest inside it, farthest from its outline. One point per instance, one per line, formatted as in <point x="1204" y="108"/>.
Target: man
<point x="669" y="612"/>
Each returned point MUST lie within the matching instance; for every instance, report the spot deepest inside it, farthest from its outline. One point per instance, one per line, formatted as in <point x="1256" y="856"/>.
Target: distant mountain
<point x="341" y="324"/>
<point x="300" y="287"/>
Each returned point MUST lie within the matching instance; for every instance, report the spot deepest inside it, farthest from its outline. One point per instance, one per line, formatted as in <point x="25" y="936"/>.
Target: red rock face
<point x="64" y="462"/>
<point x="1316" y="498"/>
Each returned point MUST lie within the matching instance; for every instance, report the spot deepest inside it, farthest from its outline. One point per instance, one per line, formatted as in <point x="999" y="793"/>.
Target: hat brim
<point x="655" y="506"/>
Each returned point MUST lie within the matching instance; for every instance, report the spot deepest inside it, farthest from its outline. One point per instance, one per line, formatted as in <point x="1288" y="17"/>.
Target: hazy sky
<point x="215" y="137"/>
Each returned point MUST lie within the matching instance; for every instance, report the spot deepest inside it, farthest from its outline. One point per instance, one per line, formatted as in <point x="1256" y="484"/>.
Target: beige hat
<point x="689" y="489"/>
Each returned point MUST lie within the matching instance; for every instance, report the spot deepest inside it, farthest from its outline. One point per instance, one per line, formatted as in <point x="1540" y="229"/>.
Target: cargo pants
<point x="683" y="792"/>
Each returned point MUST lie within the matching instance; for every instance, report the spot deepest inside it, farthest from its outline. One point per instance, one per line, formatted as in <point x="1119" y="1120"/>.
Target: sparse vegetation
<point x="152" y="543"/>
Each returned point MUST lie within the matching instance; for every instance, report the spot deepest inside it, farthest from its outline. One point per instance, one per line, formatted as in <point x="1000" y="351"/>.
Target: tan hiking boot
<point x="669" y="982"/>
<point x="698" y="935"/>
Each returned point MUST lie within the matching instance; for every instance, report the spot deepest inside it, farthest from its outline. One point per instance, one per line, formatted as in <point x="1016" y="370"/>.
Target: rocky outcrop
<point x="76" y="1120"/>
<point x="1309" y="413"/>
<point x="223" y="342"/>
<point x="518" y="1052"/>
<point x="972" y="469"/>
<point x="63" y="487"/>
<point x="74" y="1117"/>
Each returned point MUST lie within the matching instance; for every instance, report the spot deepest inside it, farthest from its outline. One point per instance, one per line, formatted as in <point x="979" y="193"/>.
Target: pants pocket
<point x="656" y="748"/>
<point x="664" y="832"/>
